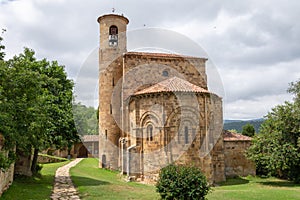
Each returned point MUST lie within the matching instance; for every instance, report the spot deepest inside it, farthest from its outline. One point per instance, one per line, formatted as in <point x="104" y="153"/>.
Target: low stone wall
<point x="23" y="164"/>
<point x="6" y="178"/>
<point x="46" y="159"/>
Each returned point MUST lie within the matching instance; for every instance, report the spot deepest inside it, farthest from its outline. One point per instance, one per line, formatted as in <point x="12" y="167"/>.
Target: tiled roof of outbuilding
<point x="230" y="136"/>
<point x="173" y="84"/>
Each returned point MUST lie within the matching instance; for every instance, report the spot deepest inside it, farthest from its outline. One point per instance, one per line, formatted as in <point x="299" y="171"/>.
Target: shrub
<point x="182" y="182"/>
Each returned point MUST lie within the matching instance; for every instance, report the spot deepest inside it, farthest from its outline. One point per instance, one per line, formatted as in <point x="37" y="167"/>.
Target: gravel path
<point x="63" y="186"/>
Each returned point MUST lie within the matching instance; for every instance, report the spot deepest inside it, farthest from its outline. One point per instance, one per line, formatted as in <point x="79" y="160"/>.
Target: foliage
<point x="233" y="131"/>
<point x="182" y="182"/>
<point x="295" y="89"/>
<point x="238" y="125"/>
<point x="248" y="130"/>
<point x="276" y="150"/>
<point x="85" y="119"/>
<point x="5" y="161"/>
<point x="36" y="104"/>
<point x="2" y="47"/>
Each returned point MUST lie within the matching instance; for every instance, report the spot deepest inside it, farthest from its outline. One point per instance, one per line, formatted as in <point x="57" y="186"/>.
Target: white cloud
<point x="254" y="44"/>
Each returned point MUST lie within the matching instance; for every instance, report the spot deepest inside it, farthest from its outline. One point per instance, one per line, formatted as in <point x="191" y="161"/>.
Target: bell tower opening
<point x="113" y="36"/>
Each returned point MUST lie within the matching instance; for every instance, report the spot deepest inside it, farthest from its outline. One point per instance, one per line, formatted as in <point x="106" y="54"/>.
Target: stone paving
<point x="63" y="186"/>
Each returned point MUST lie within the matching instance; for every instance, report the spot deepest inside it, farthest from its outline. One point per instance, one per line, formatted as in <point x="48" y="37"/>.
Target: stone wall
<point x="23" y="164"/>
<point x="236" y="163"/>
<point x="6" y="176"/>
<point x="144" y="69"/>
<point x="170" y="116"/>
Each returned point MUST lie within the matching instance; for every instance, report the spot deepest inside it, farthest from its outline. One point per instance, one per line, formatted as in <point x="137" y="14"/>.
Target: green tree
<point x="182" y="182"/>
<point x="233" y="131"/>
<point x="2" y="47"/>
<point x="85" y="119"/>
<point x="36" y="105"/>
<point x="276" y="150"/>
<point x="248" y="130"/>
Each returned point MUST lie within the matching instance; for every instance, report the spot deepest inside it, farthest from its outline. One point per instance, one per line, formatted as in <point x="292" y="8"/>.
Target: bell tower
<point x="112" y="47"/>
<point x="112" y="38"/>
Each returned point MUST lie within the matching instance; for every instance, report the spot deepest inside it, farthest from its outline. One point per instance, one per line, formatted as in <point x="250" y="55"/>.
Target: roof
<point x="173" y="84"/>
<point x="230" y="136"/>
<point x="162" y="55"/>
<point x="90" y="138"/>
<point x="113" y="16"/>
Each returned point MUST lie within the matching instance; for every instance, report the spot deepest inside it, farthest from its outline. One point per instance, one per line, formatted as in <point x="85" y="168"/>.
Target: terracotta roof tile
<point x="230" y="136"/>
<point x="173" y="84"/>
<point x="165" y="55"/>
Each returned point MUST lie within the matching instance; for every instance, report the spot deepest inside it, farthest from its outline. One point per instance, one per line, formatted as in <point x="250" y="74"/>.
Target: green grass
<point x="35" y="188"/>
<point x="95" y="183"/>
<point x="256" y="188"/>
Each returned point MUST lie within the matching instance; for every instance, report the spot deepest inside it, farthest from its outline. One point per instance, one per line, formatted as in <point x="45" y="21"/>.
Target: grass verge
<point x="35" y="188"/>
<point x="94" y="183"/>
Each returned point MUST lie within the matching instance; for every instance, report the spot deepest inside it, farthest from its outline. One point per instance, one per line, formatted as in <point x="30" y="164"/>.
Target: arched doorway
<point x="103" y="161"/>
<point x="82" y="152"/>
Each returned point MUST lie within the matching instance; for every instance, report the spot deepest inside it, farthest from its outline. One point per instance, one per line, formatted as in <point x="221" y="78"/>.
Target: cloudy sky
<point x="254" y="44"/>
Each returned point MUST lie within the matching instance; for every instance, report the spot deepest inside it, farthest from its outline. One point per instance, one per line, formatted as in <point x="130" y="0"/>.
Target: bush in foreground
<point x="182" y="182"/>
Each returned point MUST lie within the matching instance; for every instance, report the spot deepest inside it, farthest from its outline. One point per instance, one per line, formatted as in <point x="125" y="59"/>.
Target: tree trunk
<point x="34" y="161"/>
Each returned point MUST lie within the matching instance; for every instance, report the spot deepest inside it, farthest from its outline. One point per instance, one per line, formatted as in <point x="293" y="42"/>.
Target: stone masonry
<point x="6" y="176"/>
<point x="155" y="109"/>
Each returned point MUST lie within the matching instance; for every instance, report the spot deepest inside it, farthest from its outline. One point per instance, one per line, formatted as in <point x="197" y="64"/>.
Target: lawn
<point x="35" y="188"/>
<point x="255" y="188"/>
<point x="95" y="183"/>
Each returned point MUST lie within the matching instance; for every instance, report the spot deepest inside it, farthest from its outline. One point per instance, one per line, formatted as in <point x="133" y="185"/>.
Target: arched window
<point x="186" y="135"/>
<point x="113" y="30"/>
<point x="113" y="36"/>
<point x="150" y="132"/>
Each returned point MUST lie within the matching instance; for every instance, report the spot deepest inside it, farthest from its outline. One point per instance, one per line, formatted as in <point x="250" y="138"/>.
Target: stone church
<point x="155" y="109"/>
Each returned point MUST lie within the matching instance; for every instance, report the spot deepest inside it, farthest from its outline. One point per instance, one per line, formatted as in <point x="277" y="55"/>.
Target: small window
<point x="186" y="135"/>
<point x="106" y="134"/>
<point x="165" y="73"/>
<point x="150" y="132"/>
